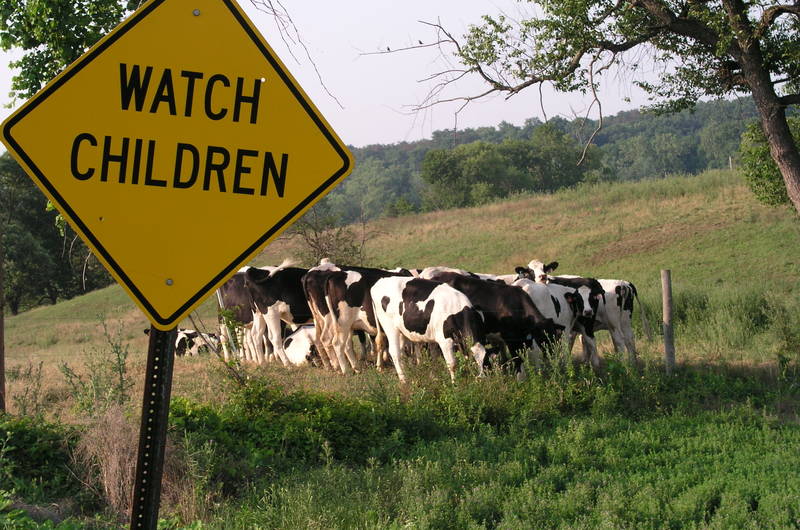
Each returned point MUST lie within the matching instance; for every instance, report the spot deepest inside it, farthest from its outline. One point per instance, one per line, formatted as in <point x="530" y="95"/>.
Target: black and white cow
<point x="615" y="313"/>
<point x="347" y="292"/>
<point x="236" y="301"/>
<point x="299" y="346"/>
<point x="314" y="282"/>
<point x="189" y="341"/>
<point x="276" y="294"/>
<point x="507" y="312"/>
<point x="425" y="311"/>
<point x="566" y="306"/>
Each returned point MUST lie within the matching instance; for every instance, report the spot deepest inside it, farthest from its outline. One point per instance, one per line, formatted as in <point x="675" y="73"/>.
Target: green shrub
<point x="35" y="458"/>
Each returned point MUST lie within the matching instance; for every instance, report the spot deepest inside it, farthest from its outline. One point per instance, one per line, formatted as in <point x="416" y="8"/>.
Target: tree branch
<point x="789" y="99"/>
<point x="770" y="15"/>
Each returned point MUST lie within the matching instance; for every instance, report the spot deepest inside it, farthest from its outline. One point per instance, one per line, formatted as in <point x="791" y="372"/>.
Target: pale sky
<point x="377" y="91"/>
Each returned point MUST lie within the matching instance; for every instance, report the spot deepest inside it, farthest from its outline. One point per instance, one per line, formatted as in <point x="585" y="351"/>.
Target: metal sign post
<point x="153" y="430"/>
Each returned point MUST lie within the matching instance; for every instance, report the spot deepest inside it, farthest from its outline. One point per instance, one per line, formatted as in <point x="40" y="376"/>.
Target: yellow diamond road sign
<point x="177" y="147"/>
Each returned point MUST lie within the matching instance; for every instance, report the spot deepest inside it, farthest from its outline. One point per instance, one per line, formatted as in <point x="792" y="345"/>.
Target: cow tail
<point x="645" y="324"/>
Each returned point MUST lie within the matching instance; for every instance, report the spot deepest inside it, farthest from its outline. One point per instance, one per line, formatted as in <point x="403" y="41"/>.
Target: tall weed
<point x="105" y="382"/>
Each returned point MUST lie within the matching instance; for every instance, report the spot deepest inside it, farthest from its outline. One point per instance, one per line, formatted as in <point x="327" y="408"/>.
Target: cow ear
<point x="522" y="272"/>
<point x="550" y="267"/>
<point x="569" y="298"/>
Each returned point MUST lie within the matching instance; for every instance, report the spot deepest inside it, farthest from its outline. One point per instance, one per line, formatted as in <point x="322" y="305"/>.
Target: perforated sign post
<point x="177" y="147"/>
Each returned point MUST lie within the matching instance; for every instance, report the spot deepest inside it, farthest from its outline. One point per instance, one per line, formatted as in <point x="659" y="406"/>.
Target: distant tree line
<point x="42" y="262"/>
<point x="474" y="166"/>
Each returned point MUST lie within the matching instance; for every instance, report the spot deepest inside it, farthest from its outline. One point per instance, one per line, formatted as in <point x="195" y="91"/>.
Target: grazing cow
<point x="191" y="341"/>
<point x="507" y="312"/>
<point x="276" y="295"/>
<point x="426" y="311"/>
<point x="236" y="301"/>
<point x="299" y="346"/>
<point x="614" y="314"/>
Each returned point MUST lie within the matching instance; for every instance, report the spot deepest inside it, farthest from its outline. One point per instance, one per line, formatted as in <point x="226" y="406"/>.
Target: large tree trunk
<point x="771" y="112"/>
<point x="783" y="149"/>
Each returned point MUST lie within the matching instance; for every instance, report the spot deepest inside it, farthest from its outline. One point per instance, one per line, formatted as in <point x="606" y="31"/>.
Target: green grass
<point x="718" y="470"/>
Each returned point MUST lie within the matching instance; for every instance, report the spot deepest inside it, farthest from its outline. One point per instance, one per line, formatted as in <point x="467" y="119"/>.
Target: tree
<point x="760" y="171"/>
<point x="716" y="48"/>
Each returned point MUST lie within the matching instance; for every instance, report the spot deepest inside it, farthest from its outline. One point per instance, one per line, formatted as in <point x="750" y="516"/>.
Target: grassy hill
<point x="718" y="241"/>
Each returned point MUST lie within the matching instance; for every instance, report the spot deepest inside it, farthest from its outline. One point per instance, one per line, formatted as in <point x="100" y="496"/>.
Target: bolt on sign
<point x="178" y="147"/>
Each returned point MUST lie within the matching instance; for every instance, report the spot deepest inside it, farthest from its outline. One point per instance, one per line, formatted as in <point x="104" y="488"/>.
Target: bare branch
<point x="596" y="100"/>
<point x="541" y="101"/>
<point x="289" y="33"/>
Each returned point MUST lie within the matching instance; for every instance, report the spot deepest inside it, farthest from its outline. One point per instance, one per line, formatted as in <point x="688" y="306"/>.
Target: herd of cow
<point x="528" y="311"/>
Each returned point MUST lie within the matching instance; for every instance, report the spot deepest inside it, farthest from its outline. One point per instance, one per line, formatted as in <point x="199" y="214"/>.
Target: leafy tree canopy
<point x="52" y="34"/>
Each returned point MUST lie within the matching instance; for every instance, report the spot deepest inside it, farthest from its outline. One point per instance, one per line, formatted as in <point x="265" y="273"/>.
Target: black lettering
<point x="278" y="177"/>
<point x="73" y="159"/>
<point x="148" y="171"/>
<point x="121" y="159"/>
<point x="134" y="86"/>
<point x="242" y="170"/>
<point x="191" y="77"/>
<point x="216" y="78"/>
<point x="241" y="98"/>
<point x="164" y="93"/>
<point x="137" y="161"/>
<point x="218" y="167"/>
<point x="177" y="182"/>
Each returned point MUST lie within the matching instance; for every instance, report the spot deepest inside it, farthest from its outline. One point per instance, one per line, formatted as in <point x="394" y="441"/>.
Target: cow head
<point x="584" y="301"/>
<point x="538" y="271"/>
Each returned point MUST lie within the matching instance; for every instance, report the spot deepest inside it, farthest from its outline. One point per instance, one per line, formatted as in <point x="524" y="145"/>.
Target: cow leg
<point x="248" y="348"/>
<point x="379" y="347"/>
<point x="590" y="352"/>
<point x="446" y="346"/>
<point x="393" y="340"/>
<point x="244" y="344"/>
<point x="320" y="323"/>
<point x="339" y="344"/>
<point x="326" y="339"/>
<point x="250" y="344"/>
<point x="630" y="341"/>
<point x="479" y="354"/>
<point x="223" y="337"/>
<point x="618" y="339"/>
<point x="257" y="332"/>
<point x="273" y="324"/>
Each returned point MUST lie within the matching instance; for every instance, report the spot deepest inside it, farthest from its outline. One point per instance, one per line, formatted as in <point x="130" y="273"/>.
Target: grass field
<point x="715" y="445"/>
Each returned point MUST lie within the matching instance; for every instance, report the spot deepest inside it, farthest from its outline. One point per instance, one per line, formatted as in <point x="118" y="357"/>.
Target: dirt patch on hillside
<point x="652" y="239"/>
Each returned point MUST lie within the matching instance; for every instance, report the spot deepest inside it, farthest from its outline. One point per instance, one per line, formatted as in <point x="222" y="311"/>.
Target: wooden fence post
<point x="666" y="304"/>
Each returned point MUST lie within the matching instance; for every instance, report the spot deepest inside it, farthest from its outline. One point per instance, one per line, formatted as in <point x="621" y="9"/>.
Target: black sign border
<point x="86" y="59"/>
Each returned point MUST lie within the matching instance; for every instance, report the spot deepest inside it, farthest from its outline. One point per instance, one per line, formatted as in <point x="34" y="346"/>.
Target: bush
<point x="35" y="458"/>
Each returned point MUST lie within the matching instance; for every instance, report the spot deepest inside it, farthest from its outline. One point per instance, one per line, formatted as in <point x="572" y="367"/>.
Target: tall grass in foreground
<point x="563" y="448"/>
